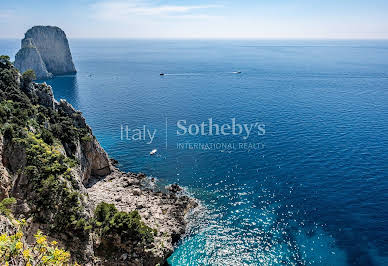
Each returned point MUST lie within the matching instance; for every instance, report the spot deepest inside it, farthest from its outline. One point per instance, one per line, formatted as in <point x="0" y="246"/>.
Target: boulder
<point x="174" y="188"/>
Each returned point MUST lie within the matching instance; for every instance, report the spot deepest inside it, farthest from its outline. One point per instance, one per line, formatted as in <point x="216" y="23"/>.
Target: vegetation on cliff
<point x="110" y="222"/>
<point x="14" y="249"/>
<point x="25" y="124"/>
<point x="40" y="145"/>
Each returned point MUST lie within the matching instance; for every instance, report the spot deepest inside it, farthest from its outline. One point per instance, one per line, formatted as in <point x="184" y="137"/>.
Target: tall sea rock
<point x="45" y="49"/>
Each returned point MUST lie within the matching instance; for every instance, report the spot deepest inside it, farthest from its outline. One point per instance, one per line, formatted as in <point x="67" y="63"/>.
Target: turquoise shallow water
<point x="314" y="192"/>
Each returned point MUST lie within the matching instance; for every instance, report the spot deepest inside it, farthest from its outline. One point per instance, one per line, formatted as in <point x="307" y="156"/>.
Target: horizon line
<point x="220" y="38"/>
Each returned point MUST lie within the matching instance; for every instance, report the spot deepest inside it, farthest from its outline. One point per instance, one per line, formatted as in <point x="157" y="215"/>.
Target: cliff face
<point x="45" y="49"/>
<point x="66" y="185"/>
<point x="28" y="57"/>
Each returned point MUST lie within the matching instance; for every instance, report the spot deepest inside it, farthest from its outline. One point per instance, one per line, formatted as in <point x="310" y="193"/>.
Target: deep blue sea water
<point x="316" y="190"/>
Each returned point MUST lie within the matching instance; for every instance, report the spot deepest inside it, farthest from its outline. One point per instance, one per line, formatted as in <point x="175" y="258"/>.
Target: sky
<point x="204" y="19"/>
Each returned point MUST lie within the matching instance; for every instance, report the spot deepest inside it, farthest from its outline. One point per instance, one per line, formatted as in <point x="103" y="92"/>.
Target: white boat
<point x="153" y="151"/>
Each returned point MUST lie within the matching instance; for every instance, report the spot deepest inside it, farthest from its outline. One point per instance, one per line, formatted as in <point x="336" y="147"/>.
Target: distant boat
<point x="237" y="72"/>
<point x="153" y="152"/>
<point x="162" y="74"/>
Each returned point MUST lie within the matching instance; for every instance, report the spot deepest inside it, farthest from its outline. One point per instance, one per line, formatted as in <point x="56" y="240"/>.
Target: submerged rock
<point x="45" y="49"/>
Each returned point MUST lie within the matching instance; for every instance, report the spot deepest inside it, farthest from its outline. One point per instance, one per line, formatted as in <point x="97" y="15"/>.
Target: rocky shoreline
<point x="59" y="175"/>
<point x="164" y="212"/>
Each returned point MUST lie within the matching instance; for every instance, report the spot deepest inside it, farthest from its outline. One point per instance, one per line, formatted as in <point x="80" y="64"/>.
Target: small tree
<point x="4" y="61"/>
<point x="5" y="204"/>
<point x="28" y="77"/>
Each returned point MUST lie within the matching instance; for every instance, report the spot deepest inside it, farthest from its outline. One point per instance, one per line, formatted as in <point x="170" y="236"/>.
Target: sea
<point x="283" y="142"/>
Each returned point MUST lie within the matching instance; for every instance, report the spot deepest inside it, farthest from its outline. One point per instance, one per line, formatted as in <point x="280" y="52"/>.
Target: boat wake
<point x="196" y="74"/>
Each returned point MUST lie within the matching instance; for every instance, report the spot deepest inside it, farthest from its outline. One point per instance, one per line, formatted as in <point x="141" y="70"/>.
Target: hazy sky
<point x="354" y="19"/>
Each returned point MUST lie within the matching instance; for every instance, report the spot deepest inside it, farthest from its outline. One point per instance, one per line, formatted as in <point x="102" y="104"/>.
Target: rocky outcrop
<point x="28" y="57"/>
<point x="58" y="186"/>
<point x="164" y="212"/>
<point x="14" y="156"/>
<point x="45" y="49"/>
<point x="42" y="93"/>
<point x="5" y="184"/>
<point x="94" y="161"/>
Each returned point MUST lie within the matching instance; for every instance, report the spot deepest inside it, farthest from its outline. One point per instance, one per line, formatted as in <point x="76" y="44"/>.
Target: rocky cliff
<point x="66" y="186"/>
<point x="28" y="57"/>
<point x="45" y="49"/>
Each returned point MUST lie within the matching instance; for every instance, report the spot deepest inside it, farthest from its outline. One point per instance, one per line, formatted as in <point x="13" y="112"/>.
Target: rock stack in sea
<point x="45" y="49"/>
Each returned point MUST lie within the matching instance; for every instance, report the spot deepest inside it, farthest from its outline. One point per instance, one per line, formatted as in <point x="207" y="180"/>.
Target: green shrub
<point x="87" y="138"/>
<point x="103" y="214"/>
<point x="5" y="61"/>
<point x="14" y="113"/>
<point x="51" y="188"/>
<point x="9" y="86"/>
<point x="109" y="221"/>
<point x="47" y="136"/>
<point x="9" y="131"/>
<point x="27" y="77"/>
<point x="5" y="204"/>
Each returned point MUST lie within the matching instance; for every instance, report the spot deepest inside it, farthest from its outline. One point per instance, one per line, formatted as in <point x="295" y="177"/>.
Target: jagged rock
<point x="45" y="49"/>
<point x="127" y="191"/>
<point x="5" y="185"/>
<point x="14" y="156"/>
<point x="157" y="209"/>
<point x="94" y="160"/>
<point x="136" y="192"/>
<point x="6" y="226"/>
<point x="124" y="256"/>
<point x="28" y="57"/>
<point x="41" y="93"/>
<point x="66" y="107"/>
<point x="92" y="157"/>
<point x="113" y="161"/>
<point x="27" y="43"/>
<point x="174" y="188"/>
<point x="141" y="176"/>
<point x="44" y="94"/>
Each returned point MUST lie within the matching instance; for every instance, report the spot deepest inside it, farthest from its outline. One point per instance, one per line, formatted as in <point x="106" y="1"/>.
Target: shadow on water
<point x="65" y="87"/>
